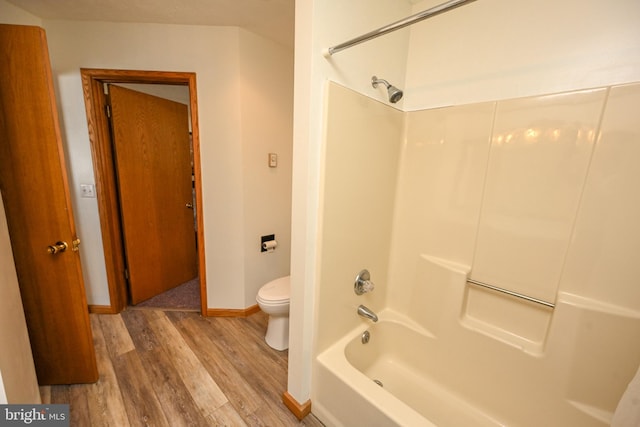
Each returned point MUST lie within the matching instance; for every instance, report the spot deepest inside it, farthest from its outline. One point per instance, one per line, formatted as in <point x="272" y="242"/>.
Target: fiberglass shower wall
<point x="362" y="145"/>
<point x="501" y="187"/>
<point x="536" y="195"/>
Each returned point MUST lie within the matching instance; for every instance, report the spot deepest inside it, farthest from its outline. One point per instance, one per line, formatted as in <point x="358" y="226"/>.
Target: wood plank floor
<point x="177" y="368"/>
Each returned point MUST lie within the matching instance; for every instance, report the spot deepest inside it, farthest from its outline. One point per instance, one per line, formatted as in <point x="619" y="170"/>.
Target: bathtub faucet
<point x="366" y="313"/>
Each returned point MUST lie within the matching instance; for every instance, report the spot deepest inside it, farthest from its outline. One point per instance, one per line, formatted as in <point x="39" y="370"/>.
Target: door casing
<point x="93" y="81"/>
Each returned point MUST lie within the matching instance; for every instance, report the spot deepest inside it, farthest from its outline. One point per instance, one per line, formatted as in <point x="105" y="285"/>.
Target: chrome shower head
<point x="395" y="94"/>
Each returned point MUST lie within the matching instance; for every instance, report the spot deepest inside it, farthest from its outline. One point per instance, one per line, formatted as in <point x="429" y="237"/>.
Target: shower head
<point x="395" y="94"/>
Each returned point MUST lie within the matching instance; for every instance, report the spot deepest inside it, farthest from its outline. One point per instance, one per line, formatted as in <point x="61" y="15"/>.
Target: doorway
<point x="103" y="154"/>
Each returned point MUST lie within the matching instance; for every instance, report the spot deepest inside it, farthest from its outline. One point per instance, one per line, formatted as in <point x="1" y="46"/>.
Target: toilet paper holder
<point x="268" y="243"/>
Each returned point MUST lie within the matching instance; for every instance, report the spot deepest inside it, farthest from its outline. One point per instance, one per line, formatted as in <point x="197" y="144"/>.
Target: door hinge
<point x="126" y="273"/>
<point x="107" y="110"/>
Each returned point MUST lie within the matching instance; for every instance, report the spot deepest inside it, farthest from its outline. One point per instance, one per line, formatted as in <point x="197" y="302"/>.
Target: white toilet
<point x="273" y="299"/>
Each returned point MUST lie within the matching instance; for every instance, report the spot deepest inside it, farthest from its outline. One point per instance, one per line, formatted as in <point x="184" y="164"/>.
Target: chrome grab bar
<point x="512" y="293"/>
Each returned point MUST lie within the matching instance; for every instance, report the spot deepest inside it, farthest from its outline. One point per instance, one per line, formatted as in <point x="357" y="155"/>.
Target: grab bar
<point x="512" y="293"/>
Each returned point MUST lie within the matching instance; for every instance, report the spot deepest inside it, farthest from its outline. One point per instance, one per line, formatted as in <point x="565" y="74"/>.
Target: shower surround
<point x="537" y="196"/>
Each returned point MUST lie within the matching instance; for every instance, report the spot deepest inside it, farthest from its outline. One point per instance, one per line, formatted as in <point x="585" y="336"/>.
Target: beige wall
<point x="266" y="76"/>
<point x="18" y="377"/>
<point x="236" y="126"/>
<point x="10" y="14"/>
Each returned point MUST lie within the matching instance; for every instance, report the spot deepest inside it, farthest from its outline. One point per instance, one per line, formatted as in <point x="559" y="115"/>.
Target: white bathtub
<point x="442" y="366"/>
<point x="407" y="397"/>
<point x="424" y="386"/>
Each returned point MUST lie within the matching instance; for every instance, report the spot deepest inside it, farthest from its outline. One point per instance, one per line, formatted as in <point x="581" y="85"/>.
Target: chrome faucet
<point x="366" y="313"/>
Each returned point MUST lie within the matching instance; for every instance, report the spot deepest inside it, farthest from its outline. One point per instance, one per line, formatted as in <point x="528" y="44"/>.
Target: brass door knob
<point x="189" y="205"/>
<point x="58" y="247"/>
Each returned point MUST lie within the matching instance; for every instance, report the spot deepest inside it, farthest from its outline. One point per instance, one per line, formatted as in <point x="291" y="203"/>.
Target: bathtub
<point x="383" y="383"/>
<point x="453" y="367"/>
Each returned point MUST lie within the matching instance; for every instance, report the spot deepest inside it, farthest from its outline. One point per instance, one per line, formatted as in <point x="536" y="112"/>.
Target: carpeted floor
<point x="183" y="297"/>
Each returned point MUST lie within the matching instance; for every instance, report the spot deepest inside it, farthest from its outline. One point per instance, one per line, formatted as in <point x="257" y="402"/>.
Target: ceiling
<point x="273" y="19"/>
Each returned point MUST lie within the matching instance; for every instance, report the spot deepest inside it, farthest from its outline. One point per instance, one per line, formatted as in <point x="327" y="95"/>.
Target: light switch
<point x="273" y="160"/>
<point x="87" y="190"/>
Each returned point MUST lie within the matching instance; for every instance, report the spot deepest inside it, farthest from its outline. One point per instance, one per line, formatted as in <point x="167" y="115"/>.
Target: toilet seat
<point x="275" y="292"/>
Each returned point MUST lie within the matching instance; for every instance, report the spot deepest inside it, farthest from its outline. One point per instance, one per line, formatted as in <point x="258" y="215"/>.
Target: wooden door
<point x="34" y="187"/>
<point x="153" y="162"/>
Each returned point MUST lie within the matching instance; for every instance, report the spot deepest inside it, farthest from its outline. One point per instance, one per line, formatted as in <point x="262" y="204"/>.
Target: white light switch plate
<point x="273" y="160"/>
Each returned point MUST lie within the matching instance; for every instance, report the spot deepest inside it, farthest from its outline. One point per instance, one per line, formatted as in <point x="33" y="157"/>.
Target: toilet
<point x="273" y="299"/>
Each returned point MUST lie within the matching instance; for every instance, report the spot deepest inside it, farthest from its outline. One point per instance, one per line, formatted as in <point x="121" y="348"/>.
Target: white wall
<point x="174" y="93"/>
<point x="18" y="382"/>
<point x="220" y="57"/>
<point x="500" y="49"/>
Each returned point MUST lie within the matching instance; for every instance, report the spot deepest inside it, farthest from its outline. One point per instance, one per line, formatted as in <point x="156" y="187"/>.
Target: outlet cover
<point x="87" y="190"/>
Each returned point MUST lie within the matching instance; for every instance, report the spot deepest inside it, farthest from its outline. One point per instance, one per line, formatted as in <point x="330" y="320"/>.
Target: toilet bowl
<point x="273" y="299"/>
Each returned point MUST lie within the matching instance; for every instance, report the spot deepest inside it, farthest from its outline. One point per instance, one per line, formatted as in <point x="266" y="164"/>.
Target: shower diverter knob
<point x="363" y="284"/>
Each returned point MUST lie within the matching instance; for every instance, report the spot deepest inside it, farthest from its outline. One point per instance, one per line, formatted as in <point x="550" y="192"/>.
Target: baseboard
<point x="212" y="312"/>
<point x="233" y="312"/>
<point x="297" y="409"/>
<point x="101" y="309"/>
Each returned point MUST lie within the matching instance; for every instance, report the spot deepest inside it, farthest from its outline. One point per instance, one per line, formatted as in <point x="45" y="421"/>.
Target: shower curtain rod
<point x="436" y="10"/>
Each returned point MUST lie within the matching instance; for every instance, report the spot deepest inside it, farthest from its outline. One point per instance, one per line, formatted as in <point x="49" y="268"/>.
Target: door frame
<point x="93" y="81"/>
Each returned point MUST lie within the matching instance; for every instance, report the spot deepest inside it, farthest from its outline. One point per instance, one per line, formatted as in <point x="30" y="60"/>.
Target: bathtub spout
<point x="366" y="313"/>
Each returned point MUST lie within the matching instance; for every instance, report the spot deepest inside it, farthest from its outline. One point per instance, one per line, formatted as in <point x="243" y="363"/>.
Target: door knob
<point x="189" y="205"/>
<point x="58" y="247"/>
